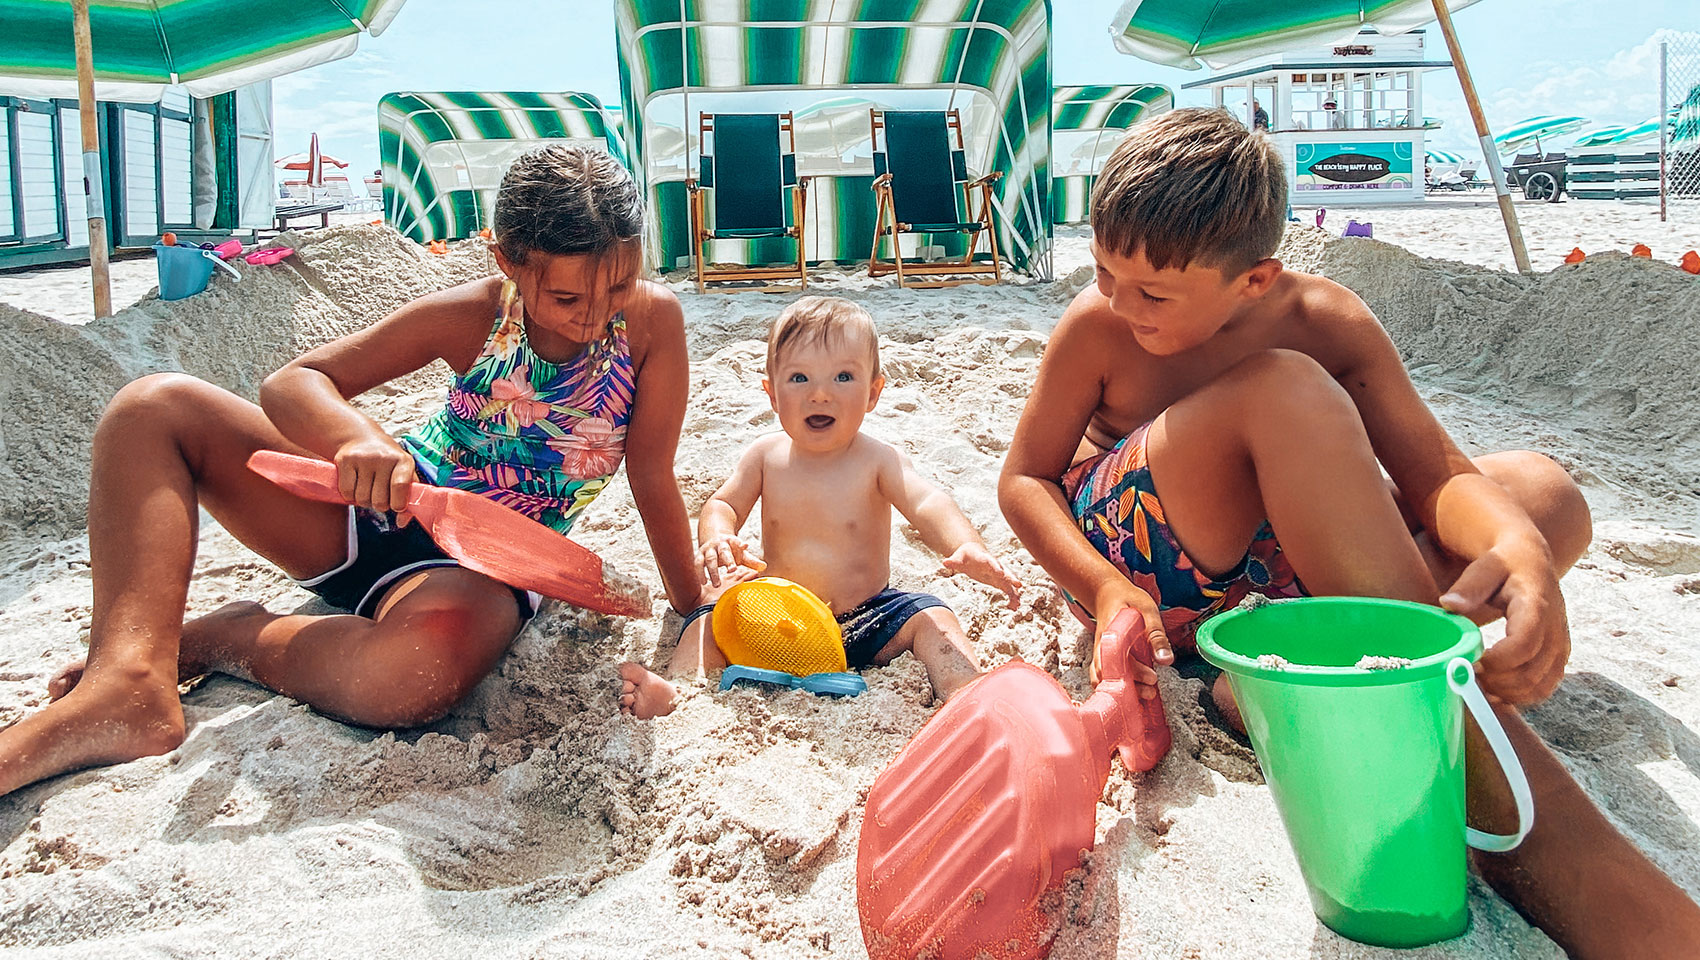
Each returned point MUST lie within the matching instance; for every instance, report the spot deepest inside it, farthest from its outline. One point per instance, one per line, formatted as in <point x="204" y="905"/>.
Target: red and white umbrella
<point x="312" y="161"/>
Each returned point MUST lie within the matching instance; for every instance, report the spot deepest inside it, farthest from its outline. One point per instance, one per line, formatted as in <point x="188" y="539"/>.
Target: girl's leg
<point x="166" y="445"/>
<point x="936" y="638"/>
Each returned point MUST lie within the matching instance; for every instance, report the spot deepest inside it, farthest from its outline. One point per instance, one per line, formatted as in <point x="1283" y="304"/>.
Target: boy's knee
<point x="156" y="398"/>
<point x="1291" y="385"/>
<point x="1546" y="491"/>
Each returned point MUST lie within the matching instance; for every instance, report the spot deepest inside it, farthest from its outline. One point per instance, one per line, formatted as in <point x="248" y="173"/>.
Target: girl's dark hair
<point x="562" y="200"/>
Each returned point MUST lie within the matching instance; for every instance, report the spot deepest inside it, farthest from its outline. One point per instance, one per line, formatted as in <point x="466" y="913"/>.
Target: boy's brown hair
<point x="819" y="319"/>
<point x="1192" y="185"/>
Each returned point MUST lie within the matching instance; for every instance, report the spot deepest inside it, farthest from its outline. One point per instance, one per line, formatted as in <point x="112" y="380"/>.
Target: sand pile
<point x="537" y="822"/>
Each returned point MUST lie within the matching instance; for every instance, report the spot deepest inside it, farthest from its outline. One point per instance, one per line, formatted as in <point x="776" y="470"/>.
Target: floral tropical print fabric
<point x="537" y="437"/>
<point x="1115" y="503"/>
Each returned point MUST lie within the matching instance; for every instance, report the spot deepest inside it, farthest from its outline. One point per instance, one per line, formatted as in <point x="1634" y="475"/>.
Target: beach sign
<point x="1365" y="166"/>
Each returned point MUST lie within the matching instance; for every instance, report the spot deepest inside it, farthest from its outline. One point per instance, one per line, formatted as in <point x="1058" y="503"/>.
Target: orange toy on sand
<point x="970" y="831"/>
<point x="1642" y="250"/>
<point x="1691" y="262"/>
<point x="438" y="246"/>
<point x="1575" y="255"/>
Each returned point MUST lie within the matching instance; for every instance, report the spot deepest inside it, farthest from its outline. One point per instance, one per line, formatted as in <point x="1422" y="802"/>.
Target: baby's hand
<point x="976" y="561"/>
<point x="728" y="553"/>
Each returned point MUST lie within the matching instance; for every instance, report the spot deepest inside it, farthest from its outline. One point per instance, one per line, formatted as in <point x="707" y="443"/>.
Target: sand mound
<point x="537" y="822"/>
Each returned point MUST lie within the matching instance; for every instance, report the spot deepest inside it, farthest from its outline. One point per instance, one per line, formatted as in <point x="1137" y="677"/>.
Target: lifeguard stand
<point x="1348" y="118"/>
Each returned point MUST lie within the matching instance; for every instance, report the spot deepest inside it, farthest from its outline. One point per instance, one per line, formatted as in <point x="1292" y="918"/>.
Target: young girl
<point x="564" y="364"/>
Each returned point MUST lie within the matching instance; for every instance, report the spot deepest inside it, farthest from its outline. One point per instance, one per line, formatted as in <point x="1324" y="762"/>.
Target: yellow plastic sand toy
<point x="774" y="624"/>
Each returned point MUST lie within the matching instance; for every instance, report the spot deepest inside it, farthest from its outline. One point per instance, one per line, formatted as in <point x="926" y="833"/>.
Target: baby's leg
<point x="646" y="695"/>
<point x="166" y="445"/>
<point x="937" y="640"/>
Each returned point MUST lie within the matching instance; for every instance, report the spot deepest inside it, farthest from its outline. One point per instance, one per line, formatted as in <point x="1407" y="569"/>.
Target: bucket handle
<point x="1502" y="752"/>
<point x="219" y="262"/>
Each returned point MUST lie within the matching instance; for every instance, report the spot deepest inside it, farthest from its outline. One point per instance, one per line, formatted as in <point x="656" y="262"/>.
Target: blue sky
<point x="1528" y="57"/>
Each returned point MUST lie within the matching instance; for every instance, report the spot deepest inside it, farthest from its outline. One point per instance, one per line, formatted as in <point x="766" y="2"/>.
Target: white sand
<point x="536" y="822"/>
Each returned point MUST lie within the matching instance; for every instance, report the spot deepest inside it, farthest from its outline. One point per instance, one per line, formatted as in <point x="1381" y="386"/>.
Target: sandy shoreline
<point x="536" y="822"/>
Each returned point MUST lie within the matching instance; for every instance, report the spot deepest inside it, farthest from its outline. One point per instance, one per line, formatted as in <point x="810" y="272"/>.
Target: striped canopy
<point x="1192" y="34"/>
<point x="988" y="58"/>
<point x="1086" y="124"/>
<point x="444" y="154"/>
<point x="1685" y="131"/>
<point x="1600" y="137"/>
<point x="208" y="46"/>
<point x="1535" y="129"/>
<point x="1445" y="157"/>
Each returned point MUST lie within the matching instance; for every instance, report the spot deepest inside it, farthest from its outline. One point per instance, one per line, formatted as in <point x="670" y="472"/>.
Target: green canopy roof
<point x="444" y="154"/>
<point x="1194" y="33"/>
<point x="988" y="58"/>
<point x="1086" y="124"/>
<point x="208" y="46"/>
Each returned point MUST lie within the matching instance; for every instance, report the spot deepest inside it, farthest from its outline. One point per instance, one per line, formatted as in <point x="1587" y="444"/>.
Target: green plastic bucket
<point x="1367" y="766"/>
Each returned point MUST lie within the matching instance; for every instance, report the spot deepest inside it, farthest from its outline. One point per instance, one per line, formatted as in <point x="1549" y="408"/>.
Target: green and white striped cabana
<point x="990" y="59"/>
<point x="444" y="154"/>
<point x="1086" y="124"/>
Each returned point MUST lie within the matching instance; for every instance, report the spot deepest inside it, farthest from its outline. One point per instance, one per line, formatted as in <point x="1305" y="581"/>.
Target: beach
<point x="537" y="822"/>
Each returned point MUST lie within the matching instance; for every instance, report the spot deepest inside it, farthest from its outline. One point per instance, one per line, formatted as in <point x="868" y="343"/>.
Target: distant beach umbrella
<point x="130" y="50"/>
<point x="1686" y="129"/>
<point x="1536" y="129"/>
<point x="1646" y="130"/>
<point x="1600" y="137"/>
<point x="1444" y="157"/>
<point x="312" y="161"/>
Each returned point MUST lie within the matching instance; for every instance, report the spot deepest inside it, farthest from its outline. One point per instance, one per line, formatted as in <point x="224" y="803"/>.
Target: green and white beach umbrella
<point x="1534" y="130"/>
<point x="1445" y="157"/>
<point x="1195" y="33"/>
<point x="1685" y="130"/>
<point x="208" y="46"/>
<point x="1600" y="137"/>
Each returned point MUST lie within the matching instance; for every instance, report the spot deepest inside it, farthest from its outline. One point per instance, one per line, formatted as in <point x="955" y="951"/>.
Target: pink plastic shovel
<point x="969" y="831"/>
<point x="483" y="535"/>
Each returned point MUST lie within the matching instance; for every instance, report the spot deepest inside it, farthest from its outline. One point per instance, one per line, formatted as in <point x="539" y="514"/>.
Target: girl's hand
<point x="1113" y="598"/>
<point x="375" y="473"/>
<point x="728" y="553"/>
<point x="1528" y="664"/>
<point x="976" y="561"/>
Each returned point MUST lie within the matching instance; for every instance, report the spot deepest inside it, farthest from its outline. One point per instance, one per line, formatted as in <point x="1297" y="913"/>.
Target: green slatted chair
<point x="922" y="185"/>
<point x="749" y="162"/>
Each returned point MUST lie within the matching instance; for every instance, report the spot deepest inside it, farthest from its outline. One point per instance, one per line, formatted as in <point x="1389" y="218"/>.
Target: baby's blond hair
<point x="818" y="320"/>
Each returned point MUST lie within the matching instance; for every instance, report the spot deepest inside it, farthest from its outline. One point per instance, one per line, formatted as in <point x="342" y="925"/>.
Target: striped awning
<point x="1445" y="157"/>
<point x="208" y="46"/>
<point x="1191" y="34"/>
<point x="444" y="154"/>
<point x="1536" y="128"/>
<point x="1086" y="124"/>
<point x="988" y="58"/>
<point x="1685" y="131"/>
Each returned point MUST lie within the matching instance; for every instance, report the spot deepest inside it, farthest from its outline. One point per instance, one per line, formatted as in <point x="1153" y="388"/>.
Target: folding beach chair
<point x="921" y="181"/>
<point x="749" y="162"/>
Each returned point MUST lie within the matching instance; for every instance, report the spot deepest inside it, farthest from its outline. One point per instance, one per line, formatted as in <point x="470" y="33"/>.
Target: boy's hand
<point x="1528" y="664"/>
<point x="728" y="553"/>
<point x="1113" y="599"/>
<point x="375" y="473"/>
<point x="976" y="561"/>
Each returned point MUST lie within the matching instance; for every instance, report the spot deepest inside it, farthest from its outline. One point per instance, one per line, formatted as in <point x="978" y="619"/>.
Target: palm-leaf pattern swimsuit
<point x="541" y="438"/>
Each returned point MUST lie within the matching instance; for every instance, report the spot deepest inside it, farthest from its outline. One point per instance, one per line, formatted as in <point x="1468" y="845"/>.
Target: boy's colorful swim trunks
<point x="1115" y="502"/>
<point x="868" y="627"/>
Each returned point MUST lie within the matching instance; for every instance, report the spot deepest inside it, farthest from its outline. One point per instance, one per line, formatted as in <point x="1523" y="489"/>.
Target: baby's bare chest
<point x="824" y="504"/>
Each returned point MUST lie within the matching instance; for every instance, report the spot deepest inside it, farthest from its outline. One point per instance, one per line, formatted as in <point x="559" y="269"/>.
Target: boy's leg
<point x="1305" y="465"/>
<point x="937" y="640"/>
<point x="166" y="445"/>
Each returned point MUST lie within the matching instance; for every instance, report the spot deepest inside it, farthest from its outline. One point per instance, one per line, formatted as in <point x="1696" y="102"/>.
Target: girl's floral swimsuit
<point x="540" y="438"/>
<point x="1115" y="502"/>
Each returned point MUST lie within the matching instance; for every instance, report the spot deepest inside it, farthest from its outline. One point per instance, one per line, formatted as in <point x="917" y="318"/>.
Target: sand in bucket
<point x="1356" y="710"/>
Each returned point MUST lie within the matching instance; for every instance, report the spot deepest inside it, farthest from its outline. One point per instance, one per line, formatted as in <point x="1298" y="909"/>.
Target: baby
<point x="827" y="491"/>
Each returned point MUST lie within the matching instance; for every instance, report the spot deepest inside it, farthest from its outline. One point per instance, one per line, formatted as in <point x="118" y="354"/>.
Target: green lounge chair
<point x="922" y="184"/>
<point x="749" y="162"/>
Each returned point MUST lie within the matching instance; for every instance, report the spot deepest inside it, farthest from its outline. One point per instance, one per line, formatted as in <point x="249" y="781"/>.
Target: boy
<point x="1205" y="424"/>
<point x="827" y="491"/>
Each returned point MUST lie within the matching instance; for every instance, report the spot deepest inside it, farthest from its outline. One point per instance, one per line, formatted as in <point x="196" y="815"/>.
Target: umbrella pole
<point x="1506" y="210"/>
<point x="93" y="182"/>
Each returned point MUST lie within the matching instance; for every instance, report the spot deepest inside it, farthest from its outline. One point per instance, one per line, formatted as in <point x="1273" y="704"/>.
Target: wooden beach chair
<point x="922" y="186"/>
<point x="749" y="163"/>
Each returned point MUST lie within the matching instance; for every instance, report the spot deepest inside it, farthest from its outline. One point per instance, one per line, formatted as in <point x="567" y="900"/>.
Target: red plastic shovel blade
<point x="483" y="535"/>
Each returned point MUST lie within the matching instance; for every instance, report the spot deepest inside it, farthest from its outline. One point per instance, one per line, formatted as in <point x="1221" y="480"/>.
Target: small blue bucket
<point x="185" y="270"/>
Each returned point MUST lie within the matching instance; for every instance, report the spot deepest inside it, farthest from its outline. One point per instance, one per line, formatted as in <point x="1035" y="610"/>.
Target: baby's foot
<point x="643" y="694"/>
